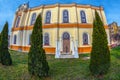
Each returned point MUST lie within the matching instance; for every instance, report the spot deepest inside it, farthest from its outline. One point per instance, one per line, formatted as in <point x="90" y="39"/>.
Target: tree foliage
<point x="100" y="54"/>
<point x="0" y="48"/>
<point x="37" y="64"/>
<point x="4" y="53"/>
<point x="0" y="37"/>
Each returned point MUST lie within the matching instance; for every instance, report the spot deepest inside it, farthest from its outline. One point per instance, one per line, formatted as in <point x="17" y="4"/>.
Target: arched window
<point x="85" y="39"/>
<point x="65" y="16"/>
<point x="29" y="40"/>
<point x="66" y="36"/>
<point x="33" y="18"/>
<point x="15" y="39"/>
<point x="46" y="39"/>
<point x="83" y="17"/>
<point x="17" y="21"/>
<point x="48" y="17"/>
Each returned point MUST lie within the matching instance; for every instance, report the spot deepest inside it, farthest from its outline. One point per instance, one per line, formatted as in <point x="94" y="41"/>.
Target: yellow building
<point x="67" y="28"/>
<point x="113" y="27"/>
<point x="113" y="31"/>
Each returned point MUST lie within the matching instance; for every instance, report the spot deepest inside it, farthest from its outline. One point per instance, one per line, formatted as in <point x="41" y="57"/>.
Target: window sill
<point x="47" y="23"/>
<point x="86" y="44"/>
<point x="46" y="45"/>
<point x="65" y="22"/>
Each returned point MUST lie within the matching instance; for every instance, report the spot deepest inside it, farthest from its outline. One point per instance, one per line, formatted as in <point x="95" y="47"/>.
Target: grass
<point x="60" y="69"/>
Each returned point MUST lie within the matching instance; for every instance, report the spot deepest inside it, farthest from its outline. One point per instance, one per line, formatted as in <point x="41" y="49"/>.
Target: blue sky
<point x="8" y="8"/>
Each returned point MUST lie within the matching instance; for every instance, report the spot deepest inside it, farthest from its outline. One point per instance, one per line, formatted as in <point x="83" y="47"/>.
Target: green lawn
<point x="60" y="69"/>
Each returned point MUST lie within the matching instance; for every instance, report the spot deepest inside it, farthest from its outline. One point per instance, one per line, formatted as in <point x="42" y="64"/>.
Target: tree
<point x="100" y="54"/>
<point x="0" y="49"/>
<point x="0" y="37"/>
<point x="5" y="55"/>
<point x="37" y="64"/>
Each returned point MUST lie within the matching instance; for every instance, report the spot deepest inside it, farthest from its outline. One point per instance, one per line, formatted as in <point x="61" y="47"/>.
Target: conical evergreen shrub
<point x="100" y="54"/>
<point x="37" y="64"/>
<point x="5" y="55"/>
<point x="0" y="48"/>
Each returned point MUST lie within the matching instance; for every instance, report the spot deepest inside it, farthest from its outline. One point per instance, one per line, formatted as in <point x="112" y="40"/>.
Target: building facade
<point x="67" y="28"/>
<point x="119" y="30"/>
<point x="114" y="32"/>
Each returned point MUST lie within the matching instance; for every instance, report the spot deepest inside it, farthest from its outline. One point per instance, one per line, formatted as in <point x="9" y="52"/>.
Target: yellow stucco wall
<point x="56" y="28"/>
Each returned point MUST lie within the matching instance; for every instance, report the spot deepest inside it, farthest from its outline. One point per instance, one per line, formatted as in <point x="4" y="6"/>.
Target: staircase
<point x="66" y="56"/>
<point x="74" y="53"/>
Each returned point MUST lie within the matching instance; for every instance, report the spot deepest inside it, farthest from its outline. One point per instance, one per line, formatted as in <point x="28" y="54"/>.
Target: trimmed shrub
<point x="100" y="54"/>
<point x="37" y="64"/>
<point x="4" y="53"/>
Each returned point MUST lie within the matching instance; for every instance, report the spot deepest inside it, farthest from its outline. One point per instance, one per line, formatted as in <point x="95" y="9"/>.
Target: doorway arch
<point x="66" y="42"/>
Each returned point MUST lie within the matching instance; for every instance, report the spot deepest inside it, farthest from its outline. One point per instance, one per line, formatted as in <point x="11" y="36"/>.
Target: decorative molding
<point x="51" y="50"/>
<point x="65" y="6"/>
<point x="48" y="50"/>
<point x="84" y="49"/>
<point x="63" y="25"/>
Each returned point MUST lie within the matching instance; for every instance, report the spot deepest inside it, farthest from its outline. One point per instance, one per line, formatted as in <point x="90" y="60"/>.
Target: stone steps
<point x="66" y="56"/>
